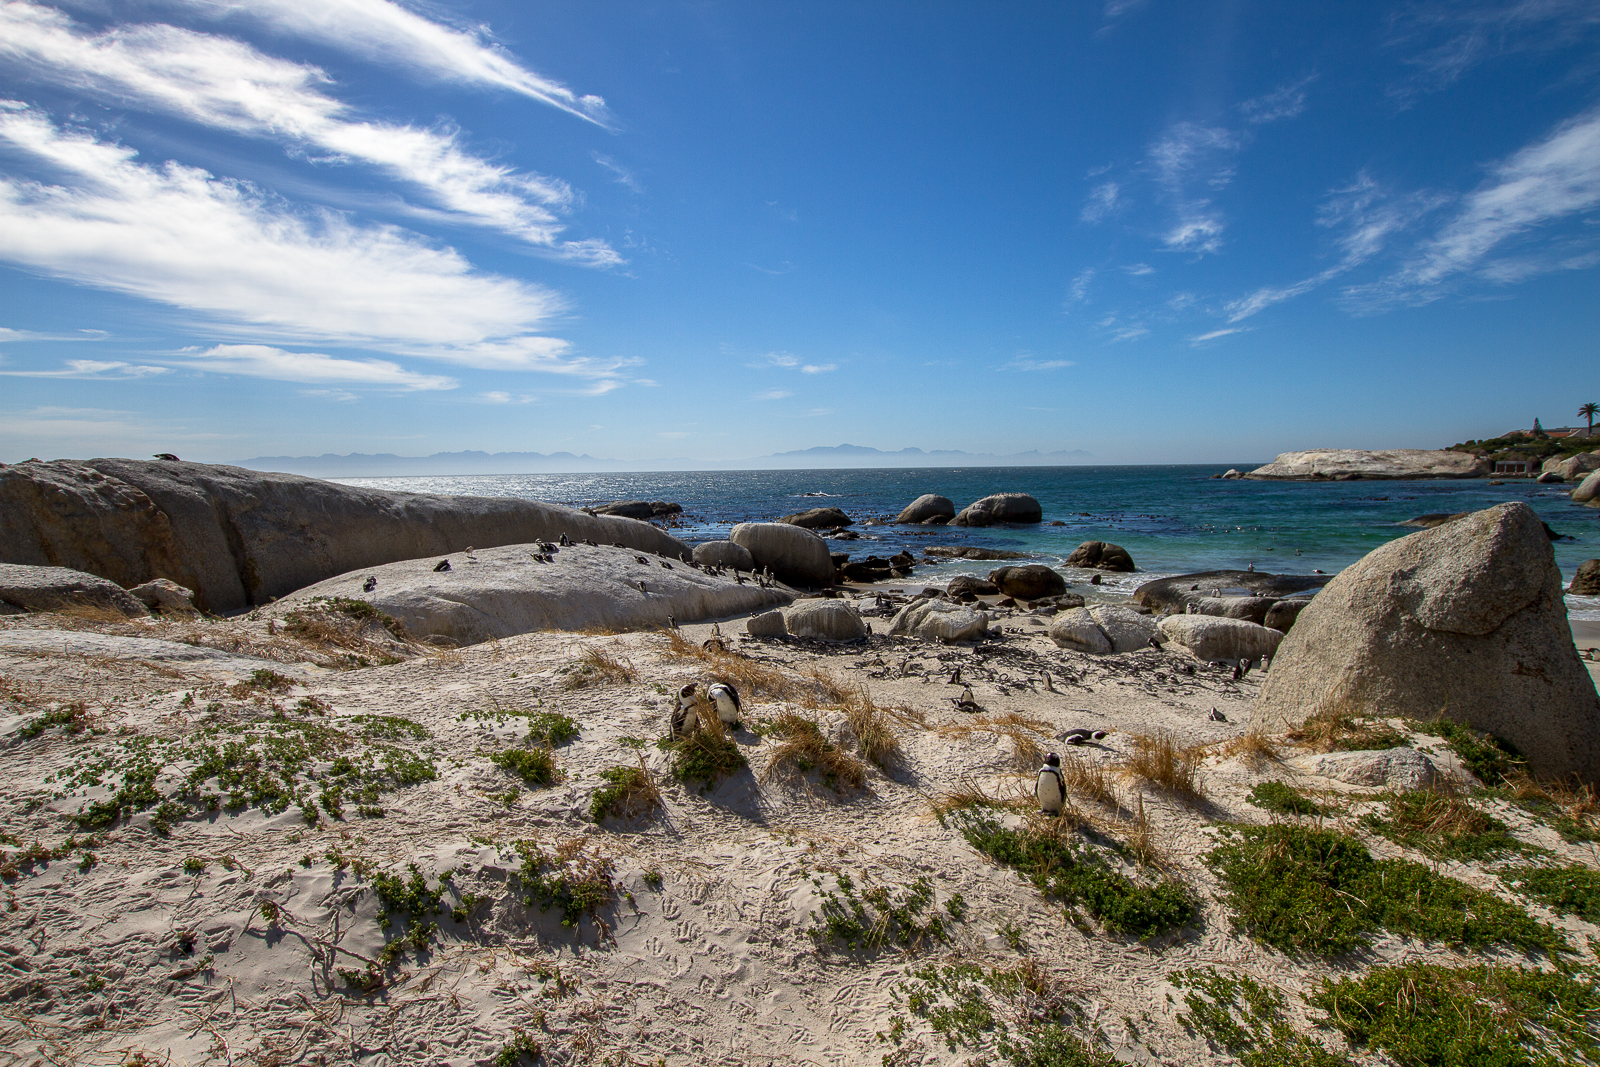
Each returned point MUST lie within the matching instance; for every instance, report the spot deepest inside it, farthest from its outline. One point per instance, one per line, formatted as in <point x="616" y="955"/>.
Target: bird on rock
<point x="1051" y="789"/>
<point x="685" y="716"/>
<point x="168" y="456"/>
<point x="725" y="698"/>
<point x="370" y="584"/>
<point x="442" y="565"/>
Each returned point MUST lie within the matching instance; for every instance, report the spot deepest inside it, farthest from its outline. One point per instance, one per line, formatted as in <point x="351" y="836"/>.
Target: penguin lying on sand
<point x="1080" y="737"/>
<point x="1051" y="789"/>
<point x="725" y="698"/>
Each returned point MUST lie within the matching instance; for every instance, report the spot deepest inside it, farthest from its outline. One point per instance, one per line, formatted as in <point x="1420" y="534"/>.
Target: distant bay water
<point x="1172" y="519"/>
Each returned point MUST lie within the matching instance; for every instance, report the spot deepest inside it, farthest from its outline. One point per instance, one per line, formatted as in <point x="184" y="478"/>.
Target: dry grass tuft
<point x="1022" y="731"/>
<point x="1140" y="837"/>
<point x="596" y="666"/>
<point x="1089" y="779"/>
<point x="1160" y="761"/>
<point x="969" y="793"/>
<point x="82" y="611"/>
<point x="805" y="749"/>
<point x="629" y="793"/>
<point x="875" y="737"/>
<point x="1345" y="726"/>
<point x="1252" y="747"/>
<point x="811" y="687"/>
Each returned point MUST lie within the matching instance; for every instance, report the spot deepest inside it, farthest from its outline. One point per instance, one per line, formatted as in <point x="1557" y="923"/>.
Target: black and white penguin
<point x="442" y="565"/>
<point x="1083" y="736"/>
<point x="685" y="716"/>
<point x="1051" y="789"/>
<point x="1217" y="716"/>
<point x="168" y="456"/>
<point x="725" y="698"/>
<point x="370" y="584"/>
<point x="564" y="541"/>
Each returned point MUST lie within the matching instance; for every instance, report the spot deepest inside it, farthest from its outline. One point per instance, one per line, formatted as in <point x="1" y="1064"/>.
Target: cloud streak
<point x="264" y="361"/>
<point x="1184" y="151"/>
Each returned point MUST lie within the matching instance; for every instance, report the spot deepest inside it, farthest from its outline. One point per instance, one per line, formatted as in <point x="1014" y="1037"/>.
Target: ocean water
<point x="1171" y="519"/>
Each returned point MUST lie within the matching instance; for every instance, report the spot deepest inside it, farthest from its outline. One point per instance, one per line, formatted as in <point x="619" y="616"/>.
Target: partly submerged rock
<point x="939" y="620"/>
<point x="53" y="588"/>
<point x="999" y="507"/>
<point x="1587" y="581"/>
<point x="1350" y="464"/>
<point x="1572" y="468"/>
<point x="1101" y="555"/>
<point x="1210" y="638"/>
<point x="639" y="509"/>
<point x="500" y="592"/>
<point x="825" y="618"/>
<point x="1465" y="621"/>
<point x="794" y="554"/>
<point x="819" y="519"/>
<point x="1396" y="768"/>
<point x="928" y="506"/>
<point x="1588" y="490"/>
<point x="972" y="552"/>
<point x="1175" y="593"/>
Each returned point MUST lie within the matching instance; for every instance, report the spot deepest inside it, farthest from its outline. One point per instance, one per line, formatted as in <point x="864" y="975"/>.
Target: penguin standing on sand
<point x="1051" y="789"/>
<point x="684" y="716"/>
<point x="725" y="698"/>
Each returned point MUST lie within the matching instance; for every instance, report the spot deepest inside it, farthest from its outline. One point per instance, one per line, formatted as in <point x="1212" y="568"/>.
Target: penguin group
<point x="720" y="697"/>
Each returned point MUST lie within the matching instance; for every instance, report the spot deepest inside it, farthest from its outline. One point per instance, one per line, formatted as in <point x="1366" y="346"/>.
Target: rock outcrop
<point x="1350" y="464"/>
<point x="1077" y="630"/>
<point x="240" y="537"/>
<point x="819" y="519"/>
<point x="1587" y="581"/>
<point x="999" y="507"/>
<point x="767" y="624"/>
<point x="51" y="588"/>
<point x="1178" y="592"/>
<point x="827" y="619"/>
<point x="1212" y="639"/>
<point x="963" y="584"/>
<point x="724" y="554"/>
<point x="1028" y="582"/>
<point x="159" y="594"/>
<point x="795" y="554"/>
<point x="1588" y="491"/>
<point x="1465" y="621"/>
<point x="939" y="620"/>
<point x="639" y="509"/>
<point x="1572" y="468"/>
<point x="1253" y="608"/>
<point x="1126" y="629"/>
<point x="971" y="552"/>
<point x="1396" y="768"/>
<point x="929" y="508"/>
<point x="501" y="592"/>
<point x="1101" y="555"/>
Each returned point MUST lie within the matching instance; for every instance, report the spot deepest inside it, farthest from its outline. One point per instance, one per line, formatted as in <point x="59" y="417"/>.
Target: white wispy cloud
<point x="818" y="368"/>
<point x="265" y="361"/>
<point x="226" y="250"/>
<point x="1129" y="333"/>
<point x="228" y="85"/>
<point x="788" y="361"/>
<point x="1138" y="270"/>
<point x="1447" y="39"/>
<point x="1284" y="102"/>
<point x="1078" y="291"/>
<point x="1115" y="11"/>
<point x="338" y="396"/>
<point x="774" y="394"/>
<point x="89" y="369"/>
<point x="385" y="32"/>
<point x="500" y="396"/>
<point x="1215" y="334"/>
<point x="1185" y="153"/>
<point x="1102" y="203"/>
<point x="1027" y="363"/>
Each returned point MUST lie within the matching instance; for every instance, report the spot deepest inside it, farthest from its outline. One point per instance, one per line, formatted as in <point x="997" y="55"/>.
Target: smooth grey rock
<point x="1283" y="613"/>
<point x="767" y="624"/>
<point x="165" y="595"/>
<point x="190" y="658"/>
<point x="935" y="620"/>
<point x="1101" y="555"/>
<point x="639" y="509"/>
<point x="796" y="555"/>
<point x="1076" y="628"/>
<point x="501" y="592"/>
<point x="52" y="588"/>
<point x="1588" y="491"/>
<point x="1466" y="620"/>
<point x="1396" y="768"/>
<point x="724" y="554"/>
<point x="1175" y="593"/>
<point x="830" y="620"/>
<point x="1126" y="629"/>
<point x="1572" y="468"/>
<point x="1210" y="638"/>
<point x="1028" y="582"/>
<point x="1253" y="608"/>
<point x="927" y="506"/>
<point x="966" y="583"/>
<point x="999" y="507"/>
<point x="819" y="519"/>
<point x="972" y="552"/>
<point x="240" y="537"/>
<point x="1351" y="464"/>
<point x="1549" y="478"/>
<point x="1587" y="581"/>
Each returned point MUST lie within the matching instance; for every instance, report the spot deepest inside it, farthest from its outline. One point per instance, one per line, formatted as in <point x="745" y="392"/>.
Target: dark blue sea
<point x="1172" y="520"/>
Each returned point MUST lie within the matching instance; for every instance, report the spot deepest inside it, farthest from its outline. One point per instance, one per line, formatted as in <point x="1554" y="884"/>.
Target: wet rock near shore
<point x="1588" y="490"/>
<point x="1101" y="555"/>
<point x="971" y="552"/>
<point x="818" y="519"/>
<point x="1028" y="582"/>
<point x="639" y="509"/>
<point x="998" y="508"/>
<point x="1351" y="464"/>
<point x="928" y="509"/>
<point x="1587" y="581"/>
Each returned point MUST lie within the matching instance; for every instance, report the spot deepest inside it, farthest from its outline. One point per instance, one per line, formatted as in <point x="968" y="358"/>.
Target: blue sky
<point x="1160" y="231"/>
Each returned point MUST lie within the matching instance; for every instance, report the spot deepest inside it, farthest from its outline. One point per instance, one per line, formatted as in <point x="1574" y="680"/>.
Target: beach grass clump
<point x="1089" y="779"/>
<point x="1491" y="760"/>
<point x="1280" y="798"/>
<point x="1253" y="747"/>
<point x="1345" y="728"/>
<point x="812" y="686"/>
<point x="535" y="766"/>
<point x="1061" y="867"/>
<point x="342" y="622"/>
<point x="1315" y="891"/>
<point x="706" y="755"/>
<point x="629" y="793"/>
<point x="804" y="748"/>
<point x="595" y="666"/>
<point x="970" y="793"/>
<point x="1431" y="1013"/>
<point x="1246" y="1018"/>
<point x="1023" y="732"/>
<point x="1571" y="890"/>
<point x="1170" y="767"/>
<point x="571" y="877"/>
<point x="872" y="918"/>
<point x="876" y="739"/>
<point x="1445" y="825"/>
<point x="1572" y="810"/>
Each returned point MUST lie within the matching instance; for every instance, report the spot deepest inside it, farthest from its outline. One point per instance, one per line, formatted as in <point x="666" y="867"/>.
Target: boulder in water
<point x="1000" y="507"/>
<point x="1101" y="555"/>
<point x="1588" y="491"/>
<point x="1587" y="581"/>
<point x="926" y="508"/>
<point x="818" y="519"/>
<point x="1352" y="464"/>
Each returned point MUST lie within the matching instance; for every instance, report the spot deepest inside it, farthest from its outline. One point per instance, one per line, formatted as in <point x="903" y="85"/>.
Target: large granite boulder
<point x="962" y="584"/>
<point x="639" y="509"/>
<point x="1587" y="581"/>
<point x="818" y="519"/>
<point x="830" y="620"/>
<point x="1572" y="468"/>
<point x="939" y="620"/>
<point x="928" y="508"/>
<point x="1588" y="491"/>
<point x="1126" y="629"/>
<point x="1076" y="629"/>
<point x="1028" y="582"/>
<point x="724" y="554"/>
<point x="501" y="592"/>
<point x="1101" y="555"/>
<point x="1282" y="614"/>
<point x="240" y="537"/>
<point x="1465" y="621"/>
<point x="1350" y="464"/>
<point x="1253" y="608"/>
<point x="795" y="554"/>
<point x="1210" y="638"/>
<point x="767" y="624"/>
<point x="999" y="507"/>
<point x="1178" y="592"/>
<point x="52" y="588"/>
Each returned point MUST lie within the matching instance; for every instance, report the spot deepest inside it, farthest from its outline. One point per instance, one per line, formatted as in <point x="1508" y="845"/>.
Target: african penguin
<point x="1083" y="736"/>
<point x="370" y="584"/>
<point x="1051" y="789"/>
<point x="725" y="698"/>
<point x="684" y="715"/>
<point x="442" y="565"/>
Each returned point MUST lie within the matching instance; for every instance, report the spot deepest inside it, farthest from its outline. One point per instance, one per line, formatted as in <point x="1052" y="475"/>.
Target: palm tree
<point x="1589" y="411"/>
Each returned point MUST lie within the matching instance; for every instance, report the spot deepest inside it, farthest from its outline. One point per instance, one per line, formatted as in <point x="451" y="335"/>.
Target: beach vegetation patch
<point x="571" y="877"/>
<point x="73" y="719"/>
<point x="1316" y="891"/>
<point x="803" y="748"/>
<point x="1425" y="1014"/>
<point x="1491" y="760"/>
<point x="871" y="918"/>
<point x="811" y="687"/>
<point x="1252" y="747"/>
<point x="1572" y="890"/>
<point x="596" y="667"/>
<point x="1345" y="728"/>
<point x="1065" y="868"/>
<point x="534" y="766"/>
<point x="1445" y="825"/>
<point x="1246" y="1018"/>
<point x="706" y="756"/>
<point x="629" y="793"/>
<point x="521" y="1048"/>
<point x="1161" y="761"/>
<point x="1572" y="810"/>
<point x="1280" y="798"/>
<point x="876" y="739"/>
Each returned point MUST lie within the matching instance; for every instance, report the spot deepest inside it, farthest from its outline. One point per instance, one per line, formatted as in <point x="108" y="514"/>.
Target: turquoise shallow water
<point x="1172" y="519"/>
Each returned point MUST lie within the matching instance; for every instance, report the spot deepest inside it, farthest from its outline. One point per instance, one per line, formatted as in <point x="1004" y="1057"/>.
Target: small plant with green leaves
<point x="570" y="877"/>
<point x="73" y="719"/>
<point x="1080" y="876"/>
<point x="269" y="681"/>
<point x="1236" y="1013"/>
<point x="653" y="879"/>
<point x="1425" y="1014"/>
<point x="629" y="793"/>
<point x="1280" y="798"/>
<point x="1491" y="760"/>
<point x="520" y="1049"/>
<point x="1571" y="890"/>
<point x="1444" y="825"/>
<point x="1307" y="890"/>
<point x="705" y="756"/>
<point x="194" y="865"/>
<point x="365" y="981"/>
<point x="535" y="766"/>
<point x="875" y="918"/>
<point x="551" y="728"/>
<point x="1012" y="934"/>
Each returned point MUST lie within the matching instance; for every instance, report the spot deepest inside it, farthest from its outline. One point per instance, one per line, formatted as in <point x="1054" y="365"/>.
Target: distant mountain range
<point x="387" y="465"/>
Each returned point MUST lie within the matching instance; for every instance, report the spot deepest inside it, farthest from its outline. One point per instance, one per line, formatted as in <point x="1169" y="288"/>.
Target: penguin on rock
<point x="1051" y="789"/>
<point x="725" y="698"/>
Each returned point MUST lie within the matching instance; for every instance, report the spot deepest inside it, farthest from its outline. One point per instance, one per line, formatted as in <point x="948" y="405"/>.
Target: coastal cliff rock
<point x="1466" y="620"/>
<point x="501" y="592"/>
<point x="240" y="537"/>
<point x="49" y="588"/>
<point x="1350" y="464"/>
<point x="724" y="554"/>
<point x="796" y="555"/>
<point x="939" y="620"/>
<point x="1000" y="507"/>
<point x="819" y="519"/>
<point x="928" y="508"/>
<point x="1101" y="555"/>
